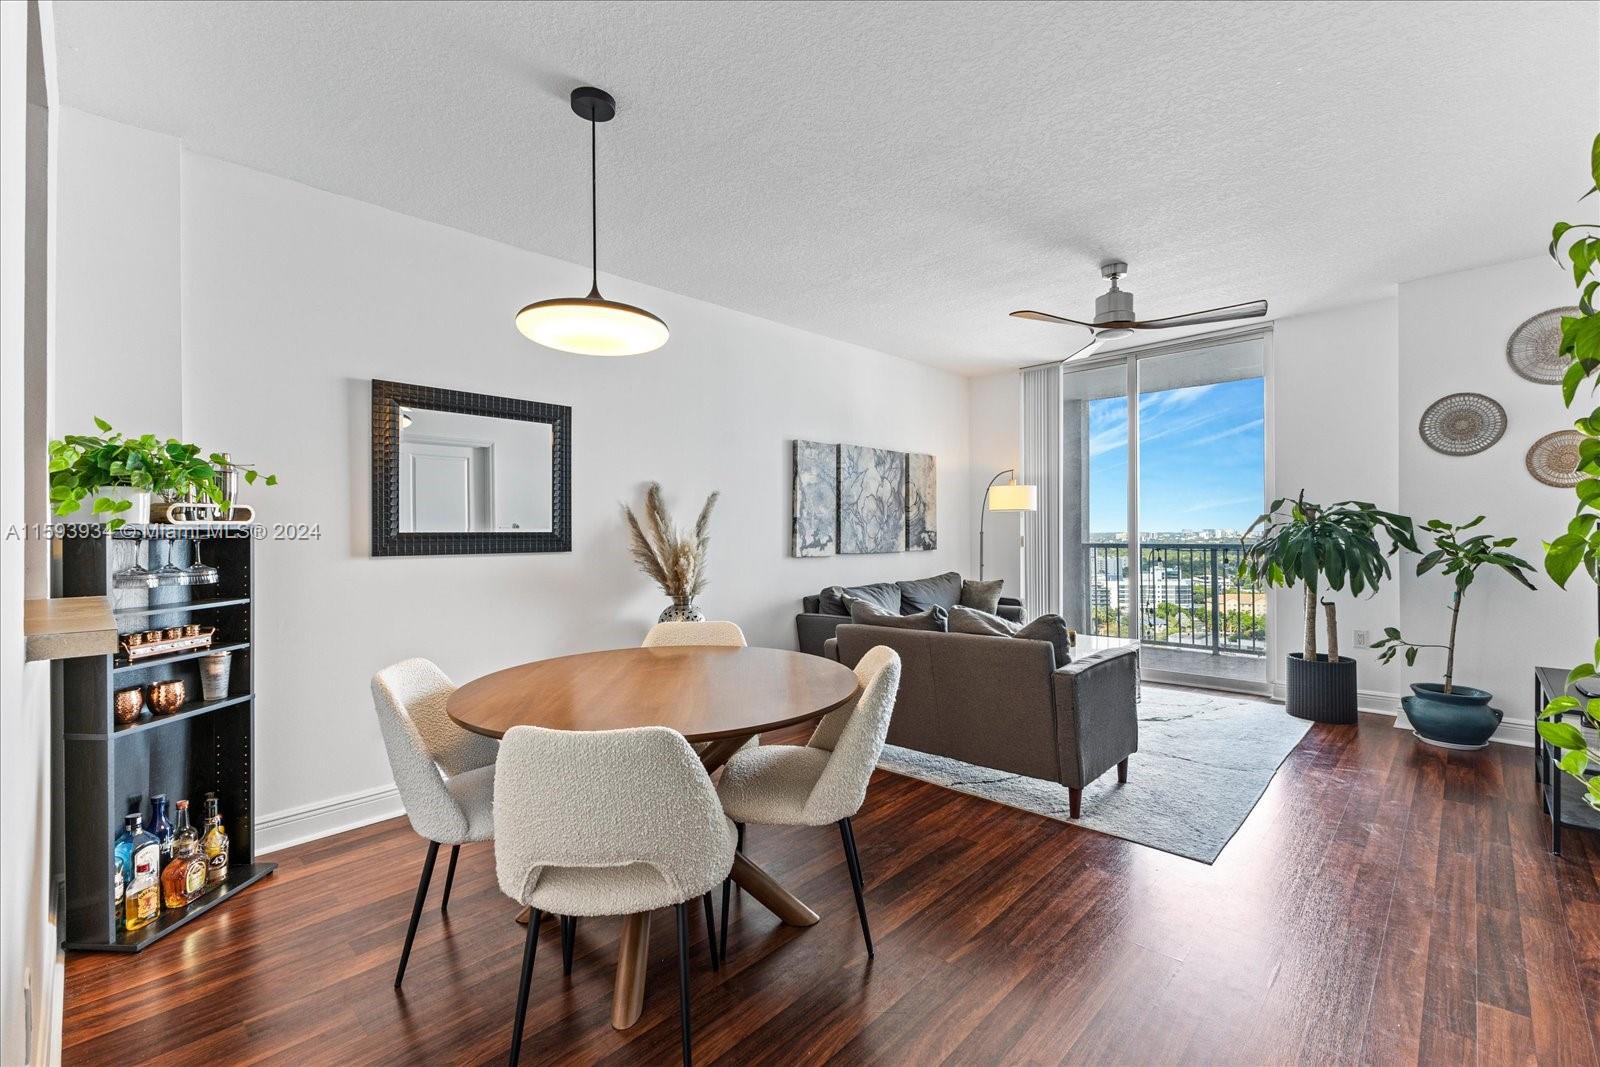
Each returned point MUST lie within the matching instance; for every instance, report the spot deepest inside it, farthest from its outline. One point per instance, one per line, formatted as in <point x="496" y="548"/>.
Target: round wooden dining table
<point x="717" y="696"/>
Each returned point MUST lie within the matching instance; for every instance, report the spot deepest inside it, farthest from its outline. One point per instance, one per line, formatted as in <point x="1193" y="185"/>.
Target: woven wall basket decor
<point x="1534" y="348"/>
<point x="1553" y="459"/>
<point x="1462" y="424"/>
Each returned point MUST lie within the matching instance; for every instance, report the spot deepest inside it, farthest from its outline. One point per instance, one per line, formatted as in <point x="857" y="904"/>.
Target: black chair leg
<point x="683" y="978"/>
<point x="727" y="899"/>
<point x="569" y="935"/>
<point x="449" y="877"/>
<point x="530" y="948"/>
<point x="711" y="931"/>
<point x="416" y="910"/>
<point x="853" y="859"/>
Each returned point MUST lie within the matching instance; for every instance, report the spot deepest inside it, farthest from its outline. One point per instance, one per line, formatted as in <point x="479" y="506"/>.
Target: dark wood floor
<point x="1385" y="903"/>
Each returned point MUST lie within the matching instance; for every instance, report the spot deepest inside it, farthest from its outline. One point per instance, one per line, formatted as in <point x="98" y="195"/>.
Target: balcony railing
<point x="1190" y="596"/>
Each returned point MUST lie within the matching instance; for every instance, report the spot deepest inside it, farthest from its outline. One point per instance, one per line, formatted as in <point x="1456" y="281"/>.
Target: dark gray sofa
<point x="1002" y="702"/>
<point x="814" y="625"/>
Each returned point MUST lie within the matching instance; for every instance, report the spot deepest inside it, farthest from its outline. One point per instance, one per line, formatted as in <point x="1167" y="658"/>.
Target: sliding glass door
<point x="1181" y="473"/>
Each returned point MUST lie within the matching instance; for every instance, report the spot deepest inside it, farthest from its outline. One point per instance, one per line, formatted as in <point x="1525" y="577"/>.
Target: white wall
<point x="996" y="437"/>
<point x="293" y="299"/>
<point x="30" y="959"/>
<point x="1453" y="331"/>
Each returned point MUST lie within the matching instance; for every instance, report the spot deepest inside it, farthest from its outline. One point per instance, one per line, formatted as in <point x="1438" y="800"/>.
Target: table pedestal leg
<point x="776" y="899"/>
<point x="633" y="955"/>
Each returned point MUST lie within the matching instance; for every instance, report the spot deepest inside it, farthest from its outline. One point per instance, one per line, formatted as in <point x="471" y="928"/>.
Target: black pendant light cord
<point x="594" y="214"/>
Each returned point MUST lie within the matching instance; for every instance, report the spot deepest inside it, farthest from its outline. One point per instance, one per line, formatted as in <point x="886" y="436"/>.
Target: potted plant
<point x="1447" y="714"/>
<point x="1579" y="547"/>
<point x="1319" y="545"/>
<point x="676" y="562"/>
<point x="120" y="474"/>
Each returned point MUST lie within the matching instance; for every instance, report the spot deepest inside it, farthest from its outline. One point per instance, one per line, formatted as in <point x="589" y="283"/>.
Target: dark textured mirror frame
<point x="387" y="540"/>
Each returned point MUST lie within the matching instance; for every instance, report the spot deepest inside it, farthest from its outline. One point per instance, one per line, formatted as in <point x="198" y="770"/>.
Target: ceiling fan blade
<point x="1253" y="310"/>
<point x="1040" y="316"/>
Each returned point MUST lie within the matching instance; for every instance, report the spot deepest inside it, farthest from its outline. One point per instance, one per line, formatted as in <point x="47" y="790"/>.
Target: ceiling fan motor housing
<point x="1115" y="306"/>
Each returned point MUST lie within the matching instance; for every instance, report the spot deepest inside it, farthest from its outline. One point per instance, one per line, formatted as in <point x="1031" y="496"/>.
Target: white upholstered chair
<point x="711" y="632"/>
<point x="445" y="774"/>
<point x="610" y="822"/>
<point x="823" y="781"/>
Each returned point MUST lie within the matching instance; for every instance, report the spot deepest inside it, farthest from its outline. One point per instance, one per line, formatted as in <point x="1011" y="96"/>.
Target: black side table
<point x="1561" y="794"/>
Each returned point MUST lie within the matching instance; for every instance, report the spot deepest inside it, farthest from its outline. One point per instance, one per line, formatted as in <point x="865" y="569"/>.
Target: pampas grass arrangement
<point x="676" y="562"/>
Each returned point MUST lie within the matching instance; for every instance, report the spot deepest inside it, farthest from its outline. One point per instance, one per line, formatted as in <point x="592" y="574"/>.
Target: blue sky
<point x="1202" y="458"/>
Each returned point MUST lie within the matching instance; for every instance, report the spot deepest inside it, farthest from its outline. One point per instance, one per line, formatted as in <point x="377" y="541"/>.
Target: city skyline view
<point x="1202" y="460"/>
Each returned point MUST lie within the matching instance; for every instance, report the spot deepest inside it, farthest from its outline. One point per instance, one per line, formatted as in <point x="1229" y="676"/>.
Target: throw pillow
<point x="884" y="595"/>
<point x="985" y="596"/>
<point x="1052" y="628"/>
<point x="940" y="591"/>
<point x="983" y="623"/>
<point x="934" y="619"/>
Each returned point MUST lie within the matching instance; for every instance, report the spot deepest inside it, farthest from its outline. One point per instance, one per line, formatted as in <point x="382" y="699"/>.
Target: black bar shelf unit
<point x="207" y="746"/>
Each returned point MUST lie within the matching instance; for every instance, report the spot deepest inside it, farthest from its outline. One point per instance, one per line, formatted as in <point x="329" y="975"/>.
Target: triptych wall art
<point x="853" y="500"/>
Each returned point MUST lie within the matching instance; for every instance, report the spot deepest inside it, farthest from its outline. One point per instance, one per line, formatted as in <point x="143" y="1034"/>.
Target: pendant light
<point x="591" y="325"/>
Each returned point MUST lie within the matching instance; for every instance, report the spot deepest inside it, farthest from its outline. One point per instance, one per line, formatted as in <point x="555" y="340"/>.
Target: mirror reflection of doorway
<point x="446" y="485"/>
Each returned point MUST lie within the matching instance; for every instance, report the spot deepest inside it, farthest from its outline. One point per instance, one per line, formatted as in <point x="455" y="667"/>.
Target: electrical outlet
<point x="1363" y="638"/>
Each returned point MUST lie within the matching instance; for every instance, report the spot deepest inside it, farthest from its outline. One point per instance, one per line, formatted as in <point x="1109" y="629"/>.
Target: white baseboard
<point x="293" y="826"/>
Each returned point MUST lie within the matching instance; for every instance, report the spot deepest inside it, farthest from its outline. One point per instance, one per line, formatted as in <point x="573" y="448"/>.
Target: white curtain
<point x="1041" y="467"/>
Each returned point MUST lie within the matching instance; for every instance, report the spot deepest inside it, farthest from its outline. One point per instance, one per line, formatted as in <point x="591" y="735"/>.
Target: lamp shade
<point x="590" y="326"/>
<point x="1013" y="498"/>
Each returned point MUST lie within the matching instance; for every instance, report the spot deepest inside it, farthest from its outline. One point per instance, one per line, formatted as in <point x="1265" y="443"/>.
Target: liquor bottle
<point x="215" y="844"/>
<point x="116" y="886"/>
<point x="161" y="827"/>
<point x="141" y="899"/>
<point x="184" y="878"/>
<point x="122" y="852"/>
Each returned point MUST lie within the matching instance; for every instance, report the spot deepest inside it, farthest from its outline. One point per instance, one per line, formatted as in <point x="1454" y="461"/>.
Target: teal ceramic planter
<point x="1460" y="719"/>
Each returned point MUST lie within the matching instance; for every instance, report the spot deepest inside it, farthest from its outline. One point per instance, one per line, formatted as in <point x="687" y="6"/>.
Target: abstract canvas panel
<point x="872" y="500"/>
<point x="816" y="499"/>
<point x="922" y="492"/>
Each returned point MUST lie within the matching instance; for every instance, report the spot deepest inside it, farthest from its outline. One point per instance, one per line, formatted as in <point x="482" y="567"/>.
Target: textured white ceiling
<point x="902" y="175"/>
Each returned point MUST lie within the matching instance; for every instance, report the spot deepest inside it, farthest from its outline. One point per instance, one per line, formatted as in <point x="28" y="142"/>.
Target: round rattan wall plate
<point x="1553" y="459"/>
<point x="1462" y="424"/>
<point x="1534" y="348"/>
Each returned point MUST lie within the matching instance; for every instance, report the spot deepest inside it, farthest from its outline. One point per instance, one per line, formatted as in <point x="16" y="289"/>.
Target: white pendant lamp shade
<point x="1013" y="497"/>
<point x="592" y="325"/>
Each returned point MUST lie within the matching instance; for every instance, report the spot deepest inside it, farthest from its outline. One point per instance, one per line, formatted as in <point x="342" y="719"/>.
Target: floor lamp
<point x="1008" y="497"/>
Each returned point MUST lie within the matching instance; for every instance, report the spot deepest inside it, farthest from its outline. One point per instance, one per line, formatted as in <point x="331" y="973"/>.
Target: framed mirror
<point x="463" y="473"/>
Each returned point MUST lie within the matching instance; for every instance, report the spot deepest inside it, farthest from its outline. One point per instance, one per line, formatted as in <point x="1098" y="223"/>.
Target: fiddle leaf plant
<point x="1323" y="546"/>
<point x="1460" y="558"/>
<point x="1579" y="547"/>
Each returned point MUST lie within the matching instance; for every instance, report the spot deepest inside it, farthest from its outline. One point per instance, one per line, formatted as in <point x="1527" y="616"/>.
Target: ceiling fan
<point x="1113" y="313"/>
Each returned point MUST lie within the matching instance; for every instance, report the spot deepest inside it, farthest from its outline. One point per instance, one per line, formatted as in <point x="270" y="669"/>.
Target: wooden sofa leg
<point x="1122" y="771"/>
<point x="1076" y="798"/>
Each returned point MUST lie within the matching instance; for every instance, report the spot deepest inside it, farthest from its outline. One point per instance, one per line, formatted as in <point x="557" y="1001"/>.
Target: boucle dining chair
<point x="823" y="781"/>
<point x="445" y="775"/>
<point x="716" y="632"/>
<point x="609" y="822"/>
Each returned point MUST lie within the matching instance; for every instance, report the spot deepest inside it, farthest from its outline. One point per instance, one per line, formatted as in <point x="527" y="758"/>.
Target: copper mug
<point x="129" y="704"/>
<point x="166" y="697"/>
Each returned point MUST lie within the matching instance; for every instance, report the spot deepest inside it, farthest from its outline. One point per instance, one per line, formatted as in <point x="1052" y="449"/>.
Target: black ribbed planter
<point x="1322" y="691"/>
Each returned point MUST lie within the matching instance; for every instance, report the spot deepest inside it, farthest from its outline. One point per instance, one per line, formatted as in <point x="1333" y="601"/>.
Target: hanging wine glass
<point x="198" y="573"/>
<point x="135" y="576"/>
<point x="169" y="573"/>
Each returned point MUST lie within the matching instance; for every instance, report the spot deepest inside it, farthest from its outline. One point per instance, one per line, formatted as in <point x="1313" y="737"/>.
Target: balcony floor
<point x="1223" y="667"/>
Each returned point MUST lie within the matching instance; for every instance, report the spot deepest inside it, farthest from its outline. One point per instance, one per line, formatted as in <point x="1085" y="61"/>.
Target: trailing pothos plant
<point x="1579" y="547"/>
<point x="1459" y="558"/>
<point x="1316" y="545"/>
<point x="83" y="466"/>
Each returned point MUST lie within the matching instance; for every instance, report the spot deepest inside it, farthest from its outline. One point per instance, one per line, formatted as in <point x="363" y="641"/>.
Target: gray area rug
<point x="1204" y="760"/>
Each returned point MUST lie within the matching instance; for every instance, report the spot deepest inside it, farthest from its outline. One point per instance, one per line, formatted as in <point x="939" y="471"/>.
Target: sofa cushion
<point x="935" y="619"/>
<point x="885" y="595"/>
<point x="1051" y="628"/>
<point x="940" y="591"/>
<point x="985" y="596"/>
